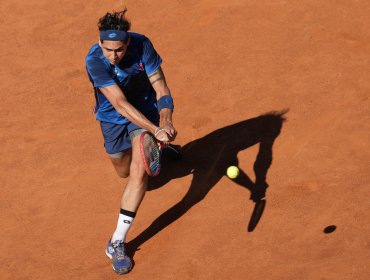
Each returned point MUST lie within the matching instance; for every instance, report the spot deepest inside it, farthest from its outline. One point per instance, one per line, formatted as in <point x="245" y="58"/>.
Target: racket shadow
<point x="207" y="159"/>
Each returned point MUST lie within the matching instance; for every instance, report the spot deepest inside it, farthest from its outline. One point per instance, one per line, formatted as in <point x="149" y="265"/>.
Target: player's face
<point x="114" y="50"/>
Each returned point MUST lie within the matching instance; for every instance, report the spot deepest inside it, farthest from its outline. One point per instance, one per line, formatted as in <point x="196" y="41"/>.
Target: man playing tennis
<point x="131" y="97"/>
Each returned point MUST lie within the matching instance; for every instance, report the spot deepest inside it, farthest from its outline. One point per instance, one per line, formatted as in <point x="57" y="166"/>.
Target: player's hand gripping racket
<point x="151" y="151"/>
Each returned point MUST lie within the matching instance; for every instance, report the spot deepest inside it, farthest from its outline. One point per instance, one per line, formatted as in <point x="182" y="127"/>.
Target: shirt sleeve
<point x="98" y="72"/>
<point x="151" y="59"/>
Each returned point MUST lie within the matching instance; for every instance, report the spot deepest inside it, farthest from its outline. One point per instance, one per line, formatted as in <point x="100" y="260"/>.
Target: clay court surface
<point x="227" y="64"/>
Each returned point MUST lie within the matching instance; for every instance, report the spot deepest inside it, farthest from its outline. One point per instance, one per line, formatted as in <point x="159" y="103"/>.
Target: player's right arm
<point x="116" y="97"/>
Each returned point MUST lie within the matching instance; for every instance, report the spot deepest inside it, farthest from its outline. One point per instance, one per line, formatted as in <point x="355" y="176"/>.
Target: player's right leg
<point x="117" y="144"/>
<point x="121" y="162"/>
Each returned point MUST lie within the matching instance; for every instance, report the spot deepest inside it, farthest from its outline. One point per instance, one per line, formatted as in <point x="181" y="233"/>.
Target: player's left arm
<point x="164" y="101"/>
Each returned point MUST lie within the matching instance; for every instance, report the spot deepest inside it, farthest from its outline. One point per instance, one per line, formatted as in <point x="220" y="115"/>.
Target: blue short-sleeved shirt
<point x="131" y="75"/>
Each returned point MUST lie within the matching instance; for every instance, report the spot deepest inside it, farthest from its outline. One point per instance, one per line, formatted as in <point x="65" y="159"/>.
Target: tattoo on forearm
<point x="153" y="74"/>
<point x="161" y="78"/>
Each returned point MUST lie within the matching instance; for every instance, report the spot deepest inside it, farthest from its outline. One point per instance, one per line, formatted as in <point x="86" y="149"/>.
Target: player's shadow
<point x="207" y="159"/>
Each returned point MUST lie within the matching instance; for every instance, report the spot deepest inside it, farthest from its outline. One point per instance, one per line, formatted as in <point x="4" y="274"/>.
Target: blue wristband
<point x="165" y="102"/>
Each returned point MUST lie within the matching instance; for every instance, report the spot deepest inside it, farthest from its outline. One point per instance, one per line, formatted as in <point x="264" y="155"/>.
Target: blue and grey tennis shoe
<point x="120" y="261"/>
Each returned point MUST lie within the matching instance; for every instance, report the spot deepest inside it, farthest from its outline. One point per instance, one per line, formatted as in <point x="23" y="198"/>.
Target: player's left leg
<point x="137" y="181"/>
<point x="132" y="197"/>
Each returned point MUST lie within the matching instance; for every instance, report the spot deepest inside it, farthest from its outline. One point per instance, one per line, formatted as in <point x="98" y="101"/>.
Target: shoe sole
<point x="122" y="272"/>
<point x="108" y="255"/>
<point x="116" y="271"/>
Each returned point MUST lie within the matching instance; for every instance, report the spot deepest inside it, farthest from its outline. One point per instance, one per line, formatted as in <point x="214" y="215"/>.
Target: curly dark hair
<point x="114" y="21"/>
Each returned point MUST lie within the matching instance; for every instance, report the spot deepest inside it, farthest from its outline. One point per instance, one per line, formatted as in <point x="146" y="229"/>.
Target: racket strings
<point x="152" y="153"/>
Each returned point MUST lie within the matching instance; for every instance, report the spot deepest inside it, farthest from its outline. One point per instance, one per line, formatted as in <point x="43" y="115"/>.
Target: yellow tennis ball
<point x="232" y="172"/>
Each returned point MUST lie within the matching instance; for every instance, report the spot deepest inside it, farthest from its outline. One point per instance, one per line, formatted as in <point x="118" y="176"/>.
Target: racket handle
<point x="162" y="145"/>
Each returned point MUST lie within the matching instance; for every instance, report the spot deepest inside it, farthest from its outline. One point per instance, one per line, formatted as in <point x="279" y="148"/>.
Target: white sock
<point x="123" y="225"/>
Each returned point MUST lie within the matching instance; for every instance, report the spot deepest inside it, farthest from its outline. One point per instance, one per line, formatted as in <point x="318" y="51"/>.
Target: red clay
<point x="226" y="62"/>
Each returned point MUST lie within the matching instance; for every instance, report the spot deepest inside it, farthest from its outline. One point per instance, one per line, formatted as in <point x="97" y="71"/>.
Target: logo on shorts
<point x="112" y="35"/>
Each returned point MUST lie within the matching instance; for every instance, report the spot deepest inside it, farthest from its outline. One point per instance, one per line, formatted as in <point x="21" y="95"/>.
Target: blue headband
<point x="114" y="35"/>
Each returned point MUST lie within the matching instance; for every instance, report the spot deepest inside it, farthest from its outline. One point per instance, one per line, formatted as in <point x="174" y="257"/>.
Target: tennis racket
<point x="151" y="151"/>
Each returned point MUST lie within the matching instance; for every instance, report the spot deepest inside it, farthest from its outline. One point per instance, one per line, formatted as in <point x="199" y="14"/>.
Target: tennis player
<point x="131" y="97"/>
